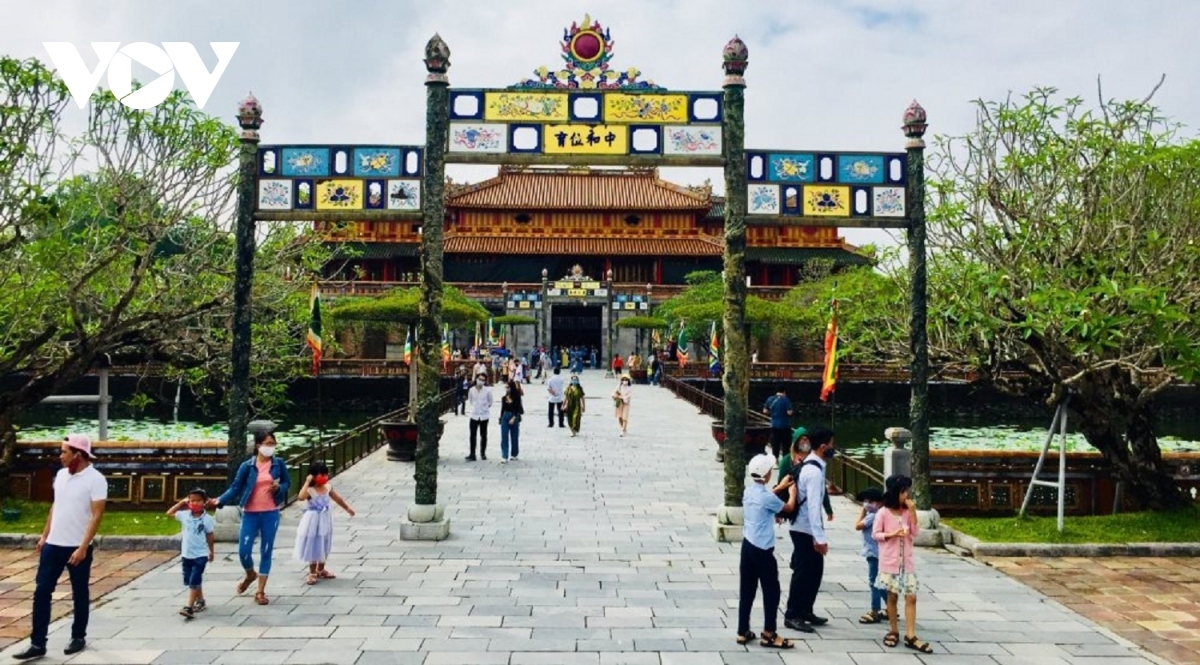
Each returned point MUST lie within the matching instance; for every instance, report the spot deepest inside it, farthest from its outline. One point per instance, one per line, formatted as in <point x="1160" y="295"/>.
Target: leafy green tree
<point x="1066" y="248"/>
<point x="115" y="244"/>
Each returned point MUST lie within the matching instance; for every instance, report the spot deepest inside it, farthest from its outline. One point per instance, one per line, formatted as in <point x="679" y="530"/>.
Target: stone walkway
<point x="1153" y="602"/>
<point x="588" y="550"/>
<point x="111" y="571"/>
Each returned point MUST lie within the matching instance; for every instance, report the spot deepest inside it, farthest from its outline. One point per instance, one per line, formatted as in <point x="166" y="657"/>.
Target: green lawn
<point x="1177" y="527"/>
<point x="116" y="522"/>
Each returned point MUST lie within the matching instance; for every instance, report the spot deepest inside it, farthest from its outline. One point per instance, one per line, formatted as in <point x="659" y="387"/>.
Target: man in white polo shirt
<point x="79" y="495"/>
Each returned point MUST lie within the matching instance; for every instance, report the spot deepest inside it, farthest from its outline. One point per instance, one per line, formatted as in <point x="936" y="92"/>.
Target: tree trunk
<point x="8" y="453"/>
<point x="1130" y="446"/>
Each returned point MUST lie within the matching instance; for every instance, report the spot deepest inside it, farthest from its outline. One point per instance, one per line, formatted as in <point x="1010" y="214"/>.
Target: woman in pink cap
<point x="80" y="492"/>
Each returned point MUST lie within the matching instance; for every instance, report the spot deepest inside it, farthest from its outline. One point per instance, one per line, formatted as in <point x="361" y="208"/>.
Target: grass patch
<point x="116" y="522"/>
<point x="1175" y="527"/>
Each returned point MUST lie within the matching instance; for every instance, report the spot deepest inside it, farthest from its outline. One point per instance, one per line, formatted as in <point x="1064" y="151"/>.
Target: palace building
<point x="575" y="248"/>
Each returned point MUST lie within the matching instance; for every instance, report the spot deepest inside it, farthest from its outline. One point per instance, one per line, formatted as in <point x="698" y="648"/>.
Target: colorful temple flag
<point x="445" y="345"/>
<point x="829" y="377"/>
<point x="408" y="346"/>
<point x="656" y="338"/>
<point x="491" y="332"/>
<point x="681" y="353"/>
<point x="714" y="348"/>
<point x="478" y="335"/>
<point x="313" y="338"/>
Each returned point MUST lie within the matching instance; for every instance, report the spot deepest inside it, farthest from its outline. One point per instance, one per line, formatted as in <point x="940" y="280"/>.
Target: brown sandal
<point x="749" y="637"/>
<point x="775" y="641"/>
<point x="917" y="644"/>
<point x="260" y="597"/>
<point x="891" y="639"/>
<point x="251" y="576"/>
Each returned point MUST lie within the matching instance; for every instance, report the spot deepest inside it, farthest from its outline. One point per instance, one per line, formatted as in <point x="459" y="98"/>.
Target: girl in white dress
<point x="314" y="536"/>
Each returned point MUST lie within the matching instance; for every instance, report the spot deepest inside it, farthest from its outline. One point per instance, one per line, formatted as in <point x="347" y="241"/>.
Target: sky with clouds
<point x="823" y="74"/>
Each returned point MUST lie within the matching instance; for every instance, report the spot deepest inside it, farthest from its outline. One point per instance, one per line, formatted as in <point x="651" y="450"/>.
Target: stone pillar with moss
<point x="736" y="377"/>
<point x="426" y="518"/>
<point x="250" y="119"/>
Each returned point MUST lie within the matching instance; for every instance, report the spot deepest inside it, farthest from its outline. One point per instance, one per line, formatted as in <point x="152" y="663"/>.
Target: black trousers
<point x="781" y="441"/>
<point x="808" y="566"/>
<point x="479" y="426"/>
<point x="51" y="563"/>
<point x="556" y="407"/>
<point x="758" y="567"/>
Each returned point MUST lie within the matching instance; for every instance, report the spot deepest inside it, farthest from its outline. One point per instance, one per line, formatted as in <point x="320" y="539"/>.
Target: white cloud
<point x="824" y="74"/>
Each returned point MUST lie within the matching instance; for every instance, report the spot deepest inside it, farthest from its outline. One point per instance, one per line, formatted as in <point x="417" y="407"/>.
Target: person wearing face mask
<point x="807" y="532"/>
<point x="511" y="411"/>
<point x="80" y="493"/>
<point x="196" y="543"/>
<point x="479" y="402"/>
<point x="259" y="488"/>
<point x="788" y="463"/>
<point x="621" y="397"/>
<point x="314" y="534"/>
<point x="574" y="404"/>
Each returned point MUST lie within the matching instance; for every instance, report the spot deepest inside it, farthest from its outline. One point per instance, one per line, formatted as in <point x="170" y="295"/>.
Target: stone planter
<point x="754" y="440"/>
<point x="402" y="439"/>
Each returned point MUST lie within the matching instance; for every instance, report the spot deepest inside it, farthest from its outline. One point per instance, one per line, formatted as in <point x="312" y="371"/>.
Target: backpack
<point x="794" y="472"/>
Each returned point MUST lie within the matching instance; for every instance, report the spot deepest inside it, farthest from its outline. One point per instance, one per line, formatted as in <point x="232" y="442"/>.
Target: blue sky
<point x="824" y="74"/>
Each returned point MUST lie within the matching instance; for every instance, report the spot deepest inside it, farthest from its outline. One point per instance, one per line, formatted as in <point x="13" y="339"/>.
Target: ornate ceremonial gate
<point x="584" y="112"/>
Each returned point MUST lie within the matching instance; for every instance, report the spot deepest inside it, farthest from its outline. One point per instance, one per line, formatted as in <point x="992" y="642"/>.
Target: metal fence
<point x="341" y="452"/>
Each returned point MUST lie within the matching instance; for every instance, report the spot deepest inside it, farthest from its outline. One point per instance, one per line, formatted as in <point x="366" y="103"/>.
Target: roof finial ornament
<point x="915" y="124"/>
<point x="249" y="117"/>
<point x="735" y="58"/>
<point x="437" y="60"/>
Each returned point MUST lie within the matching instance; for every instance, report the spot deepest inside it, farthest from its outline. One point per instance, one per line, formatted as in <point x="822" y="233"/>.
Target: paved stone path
<point x="18" y="568"/>
<point x="590" y="550"/>
<point x="1151" y="601"/>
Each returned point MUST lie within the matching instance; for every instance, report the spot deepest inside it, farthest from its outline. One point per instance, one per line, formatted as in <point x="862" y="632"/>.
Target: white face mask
<point x="479" y="382"/>
<point x="266" y="451"/>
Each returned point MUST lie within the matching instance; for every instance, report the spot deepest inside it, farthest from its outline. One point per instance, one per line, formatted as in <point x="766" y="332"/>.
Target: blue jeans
<point x="508" y="432"/>
<point x="50" y="567"/>
<point x="878" y="596"/>
<point x="263" y="527"/>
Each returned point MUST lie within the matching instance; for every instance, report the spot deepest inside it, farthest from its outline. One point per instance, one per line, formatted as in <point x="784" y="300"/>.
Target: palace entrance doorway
<point x="576" y="325"/>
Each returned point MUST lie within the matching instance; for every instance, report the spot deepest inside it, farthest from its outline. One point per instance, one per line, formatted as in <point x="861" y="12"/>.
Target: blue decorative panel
<point x="791" y="167"/>
<point x="339" y="160"/>
<point x="377" y="162"/>
<point x="645" y="139"/>
<point x="826" y="167"/>
<point x="586" y="107"/>
<point x="524" y="138"/>
<point x="268" y="162"/>
<point x="860" y="201"/>
<point x="865" y="169"/>
<point x="704" y="107"/>
<point x="466" y="105"/>
<point x="304" y="194"/>
<point x="896" y="169"/>
<point x="305" y="162"/>
<point x="790" y="199"/>
<point x="375" y="195"/>
<point x="414" y="162"/>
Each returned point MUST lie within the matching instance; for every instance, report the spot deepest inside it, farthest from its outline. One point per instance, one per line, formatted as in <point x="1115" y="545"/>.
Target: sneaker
<point x="31" y="653"/>
<point x="200" y="606"/>
<point x="513" y="458"/>
<point x="187" y="612"/>
<point x="504" y="460"/>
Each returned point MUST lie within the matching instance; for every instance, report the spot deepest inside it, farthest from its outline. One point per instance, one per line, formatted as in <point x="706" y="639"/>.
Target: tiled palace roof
<point x="567" y="189"/>
<point x="583" y="246"/>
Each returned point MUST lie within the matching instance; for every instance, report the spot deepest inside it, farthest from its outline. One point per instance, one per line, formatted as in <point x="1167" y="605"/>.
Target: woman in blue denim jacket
<point x="260" y="488"/>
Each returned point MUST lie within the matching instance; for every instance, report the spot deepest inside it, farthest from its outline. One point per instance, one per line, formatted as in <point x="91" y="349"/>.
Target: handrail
<point x="711" y="405"/>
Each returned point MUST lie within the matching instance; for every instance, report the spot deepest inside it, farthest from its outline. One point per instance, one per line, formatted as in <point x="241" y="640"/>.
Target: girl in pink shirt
<point x="895" y="529"/>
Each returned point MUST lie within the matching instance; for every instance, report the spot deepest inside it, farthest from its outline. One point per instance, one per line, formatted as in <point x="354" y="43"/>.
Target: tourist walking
<point x="80" y="493"/>
<point x="260" y="488"/>
<point x="314" y="535"/>
<point x="196" y="545"/>
<point x="621" y="398"/>
<point x="871" y="499"/>
<point x="574" y="404"/>
<point x="779" y="407"/>
<point x="555" y="390"/>
<point x="896" y="529"/>
<point x="757" y="566"/>
<point x="511" y="411"/>
<point x="807" y="532"/>
<point x="479" y="403"/>
<point x="618" y="364"/>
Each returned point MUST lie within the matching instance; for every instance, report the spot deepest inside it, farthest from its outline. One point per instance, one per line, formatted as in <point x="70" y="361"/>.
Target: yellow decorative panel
<point x="645" y="108"/>
<point x="585" y="140"/>
<point x="826" y="201"/>
<point x="525" y="106"/>
<point x="339" y="194"/>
